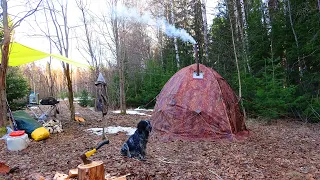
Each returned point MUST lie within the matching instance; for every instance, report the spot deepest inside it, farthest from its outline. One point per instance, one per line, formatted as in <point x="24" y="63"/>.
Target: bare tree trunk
<point x="236" y="58"/>
<point x="244" y="35"/>
<point x="66" y="69"/>
<point x="48" y="65"/>
<point x="240" y="29"/>
<point x="5" y="56"/>
<point x="295" y="38"/>
<point x="62" y="44"/>
<point x="237" y="27"/>
<point x="50" y="79"/>
<point x="175" y="39"/>
<point x="161" y="46"/>
<point x="160" y="40"/>
<point x="237" y="64"/>
<point x="120" y="64"/>
<point x="205" y="30"/>
<point x="51" y="82"/>
<point x="122" y="90"/>
<point x="4" y="63"/>
<point x="122" y="39"/>
<point x="94" y="61"/>
<point x="96" y="100"/>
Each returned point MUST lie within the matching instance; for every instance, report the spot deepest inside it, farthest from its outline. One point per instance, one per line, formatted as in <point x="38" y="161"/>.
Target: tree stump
<point x="92" y="171"/>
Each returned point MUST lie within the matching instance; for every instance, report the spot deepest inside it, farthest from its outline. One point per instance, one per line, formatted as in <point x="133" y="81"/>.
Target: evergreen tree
<point x="17" y="88"/>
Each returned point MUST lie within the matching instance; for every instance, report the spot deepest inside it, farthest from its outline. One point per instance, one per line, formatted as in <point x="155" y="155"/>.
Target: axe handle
<point x="89" y="153"/>
<point x="101" y="144"/>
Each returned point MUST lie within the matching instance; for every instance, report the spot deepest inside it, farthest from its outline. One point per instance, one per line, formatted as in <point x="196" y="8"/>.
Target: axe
<point x="84" y="157"/>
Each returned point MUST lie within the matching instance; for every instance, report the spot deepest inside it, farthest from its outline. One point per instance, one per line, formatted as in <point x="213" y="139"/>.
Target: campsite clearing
<point x="283" y="149"/>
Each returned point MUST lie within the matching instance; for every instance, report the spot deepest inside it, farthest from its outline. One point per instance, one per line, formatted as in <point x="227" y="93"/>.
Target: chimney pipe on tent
<point x="196" y="49"/>
<point x="197" y="74"/>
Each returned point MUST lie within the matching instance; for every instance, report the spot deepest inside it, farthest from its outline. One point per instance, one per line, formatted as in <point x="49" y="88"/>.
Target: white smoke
<point x="122" y="12"/>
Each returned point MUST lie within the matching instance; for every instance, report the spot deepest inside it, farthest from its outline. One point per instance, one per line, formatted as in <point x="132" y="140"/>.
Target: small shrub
<point x="63" y="94"/>
<point x="267" y="97"/>
<point x="307" y="108"/>
<point x="91" y="103"/>
<point x="84" y="99"/>
<point x="17" y="89"/>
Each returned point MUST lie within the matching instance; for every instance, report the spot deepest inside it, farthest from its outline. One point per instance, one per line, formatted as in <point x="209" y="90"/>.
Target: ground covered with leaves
<point x="282" y="149"/>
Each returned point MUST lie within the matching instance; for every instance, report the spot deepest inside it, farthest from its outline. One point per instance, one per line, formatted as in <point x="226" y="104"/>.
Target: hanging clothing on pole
<point x="102" y="104"/>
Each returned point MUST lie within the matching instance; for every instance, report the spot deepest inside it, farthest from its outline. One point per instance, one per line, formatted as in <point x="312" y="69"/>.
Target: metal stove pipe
<point x="196" y="49"/>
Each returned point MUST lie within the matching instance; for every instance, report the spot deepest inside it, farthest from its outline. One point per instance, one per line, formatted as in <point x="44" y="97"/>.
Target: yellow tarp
<point x="20" y="54"/>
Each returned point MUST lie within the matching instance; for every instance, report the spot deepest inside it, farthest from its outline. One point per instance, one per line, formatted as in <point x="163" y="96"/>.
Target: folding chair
<point x="48" y="101"/>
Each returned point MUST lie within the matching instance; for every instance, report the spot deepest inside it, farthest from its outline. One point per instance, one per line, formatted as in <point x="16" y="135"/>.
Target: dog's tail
<point x="125" y="150"/>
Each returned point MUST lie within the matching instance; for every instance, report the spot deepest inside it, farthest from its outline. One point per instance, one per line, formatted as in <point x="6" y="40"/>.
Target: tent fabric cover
<point x="20" y="54"/>
<point x="197" y="109"/>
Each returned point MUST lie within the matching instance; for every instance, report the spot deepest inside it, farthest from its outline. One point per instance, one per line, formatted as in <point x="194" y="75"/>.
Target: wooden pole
<point x="92" y="171"/>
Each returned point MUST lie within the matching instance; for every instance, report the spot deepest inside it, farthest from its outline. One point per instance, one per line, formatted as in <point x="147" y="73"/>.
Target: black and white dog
<point x="136" y="145"/>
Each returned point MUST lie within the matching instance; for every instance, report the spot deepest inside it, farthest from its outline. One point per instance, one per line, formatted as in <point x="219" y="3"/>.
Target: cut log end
<point x="73" y="173"/>
<point x="92" y="171"/>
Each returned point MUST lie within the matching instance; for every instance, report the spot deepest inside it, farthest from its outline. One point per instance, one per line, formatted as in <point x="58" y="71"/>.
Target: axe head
<point x="84" y="159"/>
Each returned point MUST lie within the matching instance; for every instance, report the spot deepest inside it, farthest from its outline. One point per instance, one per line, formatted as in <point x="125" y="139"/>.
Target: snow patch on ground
<point x="132" y="112"/>
<point x="141" y="109"/>
<point x="112" y="130"/>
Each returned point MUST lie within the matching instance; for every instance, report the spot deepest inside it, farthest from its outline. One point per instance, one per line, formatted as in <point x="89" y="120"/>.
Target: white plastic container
<point x="17" y="143"/>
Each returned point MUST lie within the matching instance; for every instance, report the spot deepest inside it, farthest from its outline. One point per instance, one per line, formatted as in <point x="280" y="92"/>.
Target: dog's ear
<point x="149" y="126"/>
<point x="149" y="123"/>
<point x="142" y="125"/>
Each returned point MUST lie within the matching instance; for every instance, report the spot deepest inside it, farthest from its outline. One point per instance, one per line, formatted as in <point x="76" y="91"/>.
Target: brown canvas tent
<point x="194" y="108"/>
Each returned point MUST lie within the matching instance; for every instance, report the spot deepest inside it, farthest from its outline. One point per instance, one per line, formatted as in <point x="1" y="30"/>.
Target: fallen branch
<point x="169" y="162"/>
<point x="219" y="178"/>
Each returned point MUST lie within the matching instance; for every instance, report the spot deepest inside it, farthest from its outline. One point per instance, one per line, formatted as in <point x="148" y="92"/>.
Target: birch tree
<point x="205" y="29"/>
<point x="176" y="48"/>
<point x="244" y="37"/>
<point x="295" y="38"/>
<point x="236" y="61"/>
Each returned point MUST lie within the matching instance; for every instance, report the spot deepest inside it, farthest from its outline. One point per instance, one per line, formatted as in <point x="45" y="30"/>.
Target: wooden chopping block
<point x="92" y="171"/>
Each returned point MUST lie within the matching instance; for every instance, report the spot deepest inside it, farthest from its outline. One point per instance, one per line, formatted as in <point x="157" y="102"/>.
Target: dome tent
<point x="202" y="107"/>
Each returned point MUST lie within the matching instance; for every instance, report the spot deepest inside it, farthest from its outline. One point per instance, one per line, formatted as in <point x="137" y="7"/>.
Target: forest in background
<point x="269" y="52"/>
